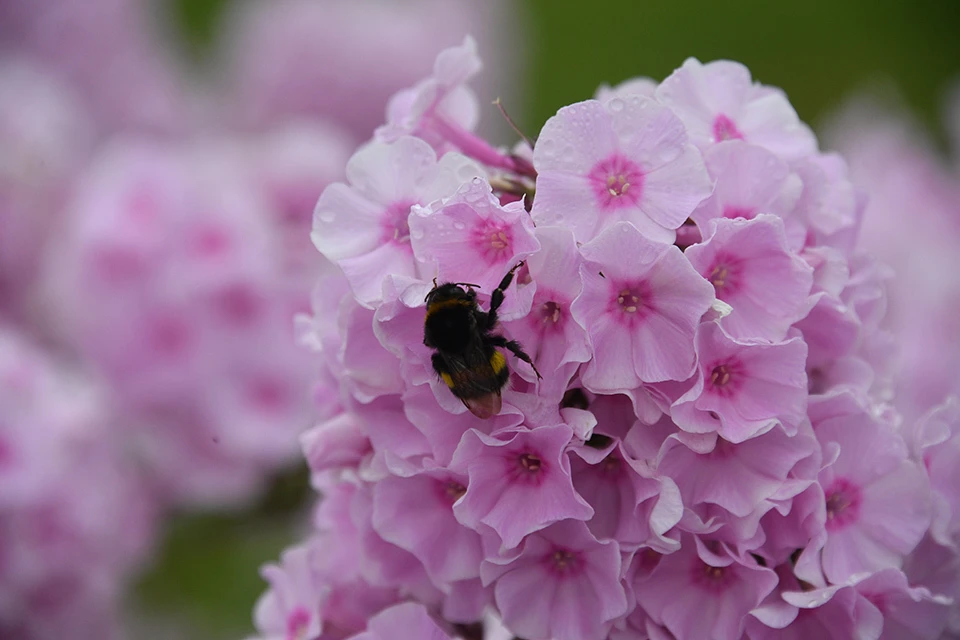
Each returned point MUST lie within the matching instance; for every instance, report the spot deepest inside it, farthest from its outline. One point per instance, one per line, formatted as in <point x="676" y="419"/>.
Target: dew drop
<point x="327" y="216"/>
<point x="417" y="233"/>
<point x="616" y="105"/>
<point x="459" y="226"/>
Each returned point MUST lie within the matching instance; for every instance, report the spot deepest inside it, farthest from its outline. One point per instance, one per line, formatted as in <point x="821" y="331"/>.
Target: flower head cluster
<point x="197" y="261"/>
<point x="708" y="454"/>
<point x="73" y="518"/>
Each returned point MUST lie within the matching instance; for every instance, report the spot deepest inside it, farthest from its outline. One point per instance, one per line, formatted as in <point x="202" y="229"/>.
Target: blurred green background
<point x="819" y="51"/>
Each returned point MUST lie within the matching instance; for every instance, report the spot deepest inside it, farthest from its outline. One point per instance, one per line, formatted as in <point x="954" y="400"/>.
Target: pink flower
<point x="750" y="180"/>
<point x="469" y="237"/>
<point x="718" y="101"/>
<point x="878" y="501"/>
<point x="520" y="485"/>
<point x="703" y="591"/>
<point x="364" y="226"/>
<point x="640" y="298"/>
<point x="563" y="584"/>
<point x="416" y="514"/>
<point x="439" y="105"/>
<point x="627" y="159"/>
<point x="751" y="269"/>
<point x="744" y="389"/>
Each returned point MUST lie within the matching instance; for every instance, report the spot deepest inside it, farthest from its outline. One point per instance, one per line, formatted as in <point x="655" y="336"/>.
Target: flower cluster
<point x="710" y="452"/>
<point x="191" y="256"/>
<point x="73" y="518"/>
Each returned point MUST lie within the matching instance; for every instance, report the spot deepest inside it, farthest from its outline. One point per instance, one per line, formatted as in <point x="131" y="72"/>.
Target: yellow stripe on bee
<point x="447" y="379"/>
<point x="446" y="304"/>
<point x="497" y="362"/>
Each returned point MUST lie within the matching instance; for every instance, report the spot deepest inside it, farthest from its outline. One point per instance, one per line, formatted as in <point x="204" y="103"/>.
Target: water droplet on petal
<point x="615" y="105"/>
<point x="326" y="216"/>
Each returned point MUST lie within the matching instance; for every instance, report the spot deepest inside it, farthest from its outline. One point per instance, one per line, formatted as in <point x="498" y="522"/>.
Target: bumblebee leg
<point x="516" y="349"/>
<point x="496" y="298"/>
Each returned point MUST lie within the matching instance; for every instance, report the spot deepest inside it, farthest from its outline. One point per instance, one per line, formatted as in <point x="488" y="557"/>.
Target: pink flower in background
<point x="80" y="520"/>
<point x="192" y="323"/>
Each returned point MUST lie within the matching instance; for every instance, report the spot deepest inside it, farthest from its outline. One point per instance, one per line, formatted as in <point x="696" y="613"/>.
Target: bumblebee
<point x="466" y="356"/>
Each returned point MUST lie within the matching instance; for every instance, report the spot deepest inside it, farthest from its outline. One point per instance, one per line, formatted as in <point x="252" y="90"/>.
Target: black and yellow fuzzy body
<point x="466" y="356"/>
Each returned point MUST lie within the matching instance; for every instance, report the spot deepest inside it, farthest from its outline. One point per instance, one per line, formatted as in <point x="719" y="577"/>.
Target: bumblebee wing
<point x="476" y="377"/>
<point x="484" y="407"/>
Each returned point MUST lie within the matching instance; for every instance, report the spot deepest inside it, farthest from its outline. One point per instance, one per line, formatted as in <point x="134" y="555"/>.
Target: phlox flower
<point x="878" y="501"/>
<point x="440" y="107"/>
<point x="470" y="237"/>
<point x="736" y="477"/>
<point x="718" y="101"/>
<point x="632" y="504"/>
<point x="563" y="584"/>
<point x="520" y="485"/>
<point x="363" y="226"/>
<point x="416" y="514"/>
<point x="744" y="389"/>
<point x="627" y="159"/>
<point x="640" y="298"/>
<point x="703" y="591"/>
<point x="751" y="269"/>
<point x="750" y="180"/>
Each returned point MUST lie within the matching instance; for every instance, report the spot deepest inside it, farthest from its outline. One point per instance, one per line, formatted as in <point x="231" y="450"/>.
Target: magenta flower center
<point x="565" y="563"/>
<point x="396" y="228"/>
<point x="725" y="129"/>
<point x="725" y="378"/>
<point x="616" y="182"/>
<point x="297" y="622"/>
<point x="493" y="241"/>
<point x="548" y="316"/>
<point x="725" y="276"/>
<point x="843" y="504"/>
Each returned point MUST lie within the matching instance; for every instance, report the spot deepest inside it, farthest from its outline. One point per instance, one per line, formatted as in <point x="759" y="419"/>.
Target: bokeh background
<point x="203" y="581"/>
